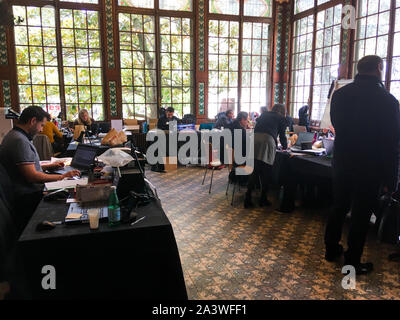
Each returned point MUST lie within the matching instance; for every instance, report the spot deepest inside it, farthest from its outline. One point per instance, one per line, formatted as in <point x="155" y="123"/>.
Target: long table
<point x="124" y="262"/>
<point x="292" y="170"/>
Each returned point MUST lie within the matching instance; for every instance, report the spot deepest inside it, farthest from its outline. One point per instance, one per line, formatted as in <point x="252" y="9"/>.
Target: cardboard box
<point x="130" y="122"/>
<point x="168" y="166"/>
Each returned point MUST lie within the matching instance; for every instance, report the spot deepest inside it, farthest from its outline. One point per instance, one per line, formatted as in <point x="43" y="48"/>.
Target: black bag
<point x="389" y="221"/>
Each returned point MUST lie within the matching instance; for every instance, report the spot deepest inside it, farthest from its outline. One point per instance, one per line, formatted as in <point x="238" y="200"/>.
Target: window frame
<point x="294" y="17"/>
<point x="157" y="14"/>
<point x="241" y="18"/>
<point x="58" y="5"/>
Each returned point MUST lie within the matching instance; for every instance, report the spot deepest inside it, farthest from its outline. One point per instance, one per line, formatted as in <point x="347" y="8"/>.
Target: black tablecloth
<point x="124" y="262"/>
<point x="305" y="170"/>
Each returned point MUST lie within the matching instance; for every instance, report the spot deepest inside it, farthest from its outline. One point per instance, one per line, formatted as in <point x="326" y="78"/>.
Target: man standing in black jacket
<point x="366" y="119"/>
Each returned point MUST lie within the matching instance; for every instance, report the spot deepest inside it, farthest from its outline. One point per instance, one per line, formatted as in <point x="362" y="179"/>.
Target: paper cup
<point x="94" y="215"/>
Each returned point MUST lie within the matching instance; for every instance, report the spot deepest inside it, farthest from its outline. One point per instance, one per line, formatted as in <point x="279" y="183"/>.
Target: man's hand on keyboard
<point x="71" y="174"/>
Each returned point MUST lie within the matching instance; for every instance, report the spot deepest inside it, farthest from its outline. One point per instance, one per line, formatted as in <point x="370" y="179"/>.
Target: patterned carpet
<point x="235" y="253"/>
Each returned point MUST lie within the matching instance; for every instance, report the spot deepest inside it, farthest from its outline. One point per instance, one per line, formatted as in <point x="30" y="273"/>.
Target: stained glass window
<point x="223" y="67"/>
<point x="327" y="51"/>
<point x="81" y="54"/>
<point x="255" y="64"/>
<point x="138" y="66"/>
<point x="301" y="63"/>
<point x="137" y="3"/>
<point x="36" y="58"/>
<point x="258" y="8"/>
<point x="224" y="6"/>
<point x="372" y="34"/>
<point x="176" y="64"/>
<point x="303" y="5"/>
<point x="180" y="5"/>
<point x="395" y="75"/>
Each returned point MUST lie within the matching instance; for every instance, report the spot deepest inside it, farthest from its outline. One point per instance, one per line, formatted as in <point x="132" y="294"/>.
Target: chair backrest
<point x="43" y="146"/>
<point x="206" y="126"/>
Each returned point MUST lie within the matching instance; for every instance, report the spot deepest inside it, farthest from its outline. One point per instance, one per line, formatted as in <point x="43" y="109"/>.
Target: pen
<point x="137" y="220"/>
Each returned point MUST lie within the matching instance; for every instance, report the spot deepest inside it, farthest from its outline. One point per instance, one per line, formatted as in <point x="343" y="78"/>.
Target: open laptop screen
<point x="84" y="156"/>
<point x="304" y="137"/>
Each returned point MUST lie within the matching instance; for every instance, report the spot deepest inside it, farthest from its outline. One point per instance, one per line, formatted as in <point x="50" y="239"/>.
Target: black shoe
<point x="332" y="254"/>
<point x="362" y="268"/>
<point x="248" y="203"/>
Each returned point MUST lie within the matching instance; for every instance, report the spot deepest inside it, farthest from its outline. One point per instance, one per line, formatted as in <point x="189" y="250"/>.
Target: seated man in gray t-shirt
<point x="21" y="161"/>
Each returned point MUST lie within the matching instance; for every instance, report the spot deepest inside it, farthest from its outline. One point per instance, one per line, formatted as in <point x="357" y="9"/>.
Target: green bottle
<point x="114" y="212"/>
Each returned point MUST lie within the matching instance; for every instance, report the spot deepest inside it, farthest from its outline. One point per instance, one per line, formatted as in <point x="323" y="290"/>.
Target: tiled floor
<point x="233" y="253"/>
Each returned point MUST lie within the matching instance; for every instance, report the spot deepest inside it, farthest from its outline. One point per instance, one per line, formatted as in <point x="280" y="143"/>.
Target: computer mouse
<point x="45" y="225"/>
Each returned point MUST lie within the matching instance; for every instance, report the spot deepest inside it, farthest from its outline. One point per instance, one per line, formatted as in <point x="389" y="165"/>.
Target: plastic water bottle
<point x="114" y="211"/>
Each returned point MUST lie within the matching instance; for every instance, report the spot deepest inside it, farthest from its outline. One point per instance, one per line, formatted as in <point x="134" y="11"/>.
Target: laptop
<point x="328" y="145"/>
<point x="82" y="160"/>
<point x="302" y="138"/>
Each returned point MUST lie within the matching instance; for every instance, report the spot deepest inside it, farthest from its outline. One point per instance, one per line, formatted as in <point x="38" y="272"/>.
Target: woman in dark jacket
<point x="269" y="126"/>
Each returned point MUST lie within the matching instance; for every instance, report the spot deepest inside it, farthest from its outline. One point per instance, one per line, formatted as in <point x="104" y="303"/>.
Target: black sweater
<point x="366" y="119"/>
<point x="273" y="123"/>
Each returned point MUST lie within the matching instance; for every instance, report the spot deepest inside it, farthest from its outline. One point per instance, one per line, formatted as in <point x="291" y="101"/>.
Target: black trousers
<point x="359" y="194"/>
<point x="262" y="172"/>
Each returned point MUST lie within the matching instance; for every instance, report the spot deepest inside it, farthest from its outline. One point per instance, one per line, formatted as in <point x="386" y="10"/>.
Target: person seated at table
<point x="240" y="123"/>
<point x="224" y="120"/>
<point x="21" y="161"/>
<point x="54" y="135"/>
<point x="85" y="120"/>
<point x="268" y="127"/>
<point x="163" y="122"/>
<point x="304" y="119"/>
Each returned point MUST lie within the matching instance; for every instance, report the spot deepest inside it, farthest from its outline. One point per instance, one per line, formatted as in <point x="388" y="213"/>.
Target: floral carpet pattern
<point x="228" y="252"/>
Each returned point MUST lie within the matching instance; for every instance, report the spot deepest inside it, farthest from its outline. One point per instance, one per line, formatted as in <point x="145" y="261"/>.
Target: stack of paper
<point x="66" y="183"/>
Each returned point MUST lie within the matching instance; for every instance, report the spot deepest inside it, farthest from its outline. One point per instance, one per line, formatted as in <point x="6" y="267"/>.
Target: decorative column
<point x="113" y="101"/>
<point x="281" y="61"/>
<point x="8" y="87"/>
<point x="345" y="59"/>
<point x="201" y="62"/>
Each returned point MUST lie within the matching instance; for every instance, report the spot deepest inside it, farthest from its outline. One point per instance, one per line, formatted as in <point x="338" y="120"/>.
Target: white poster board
<point x="116" y="124"/>
<point x="326" y="119"/>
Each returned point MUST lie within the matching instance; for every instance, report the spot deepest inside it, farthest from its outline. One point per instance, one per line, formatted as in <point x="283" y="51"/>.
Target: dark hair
<point x="279" y="108"/>
<point x="228" y="112"/>
<point x="170" y="109"/>
<point x="32" y="112"/>
<point x="368" y="64"/>
<point x="242" y="115"/>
